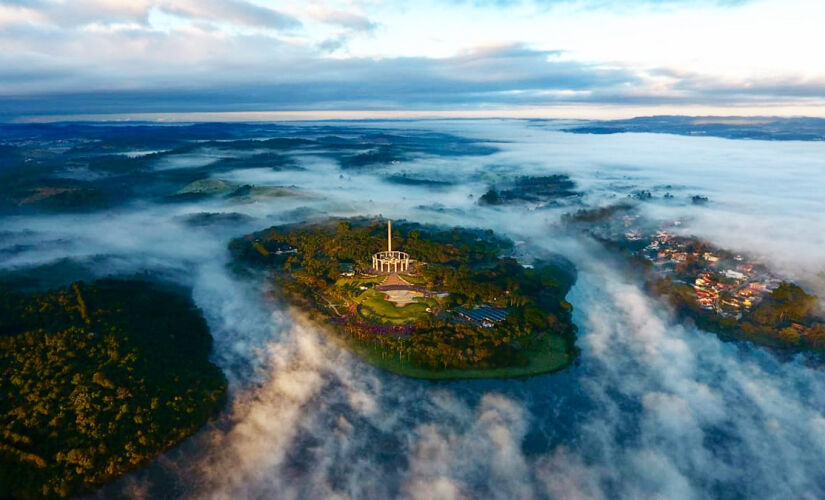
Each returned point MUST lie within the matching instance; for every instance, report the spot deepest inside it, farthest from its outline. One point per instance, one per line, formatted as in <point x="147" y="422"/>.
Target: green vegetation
<point x="383" y="309"/>
<point x="541" y="190"/>
<point x="785" y="318"/>
<point x="97" y="379"/>
<point x="719" y="290"/>
<point x="551" y="356"/>
<point x="589" y="215"/>
<point x="455" y="269"/>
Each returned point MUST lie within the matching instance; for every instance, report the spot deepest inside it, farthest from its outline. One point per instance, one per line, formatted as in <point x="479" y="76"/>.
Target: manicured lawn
<point x="388" y="311"/>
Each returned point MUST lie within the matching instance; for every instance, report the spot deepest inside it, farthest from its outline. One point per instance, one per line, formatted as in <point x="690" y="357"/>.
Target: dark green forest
<point x="540" y="189"/>
<point x="97" y="379"/>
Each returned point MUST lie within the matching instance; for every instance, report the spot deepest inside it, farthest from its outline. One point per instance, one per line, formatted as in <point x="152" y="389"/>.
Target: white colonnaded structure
<point x="390" y="261"/>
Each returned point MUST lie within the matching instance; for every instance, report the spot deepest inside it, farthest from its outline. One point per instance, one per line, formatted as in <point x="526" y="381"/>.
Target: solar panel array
<point x="484" y="313"/>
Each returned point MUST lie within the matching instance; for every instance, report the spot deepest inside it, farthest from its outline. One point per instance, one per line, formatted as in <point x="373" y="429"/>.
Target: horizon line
<point x="578" y="112"/>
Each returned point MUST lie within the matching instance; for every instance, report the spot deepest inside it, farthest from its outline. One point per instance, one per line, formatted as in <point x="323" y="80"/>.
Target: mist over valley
<point x="652" y="405"/>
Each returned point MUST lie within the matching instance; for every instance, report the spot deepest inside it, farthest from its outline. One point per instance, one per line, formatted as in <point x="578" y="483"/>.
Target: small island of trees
<point x="463" y="310"/>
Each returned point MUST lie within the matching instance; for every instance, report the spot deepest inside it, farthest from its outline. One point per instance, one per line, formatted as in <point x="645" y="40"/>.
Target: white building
<point x="390" y="261"/>
<point x="736" y="275"/>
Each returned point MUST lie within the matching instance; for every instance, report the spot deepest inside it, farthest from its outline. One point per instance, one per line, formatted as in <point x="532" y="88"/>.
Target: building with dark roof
<point x="483" y="316"/>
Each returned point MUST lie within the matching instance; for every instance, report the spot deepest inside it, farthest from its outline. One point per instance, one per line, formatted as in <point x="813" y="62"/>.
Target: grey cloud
<point x="59" y="68"/>
<point x="80" y="12"/>
<point x="232" y="11"/>
<point x="509" y="74"/>
<point x="755" y="87"/>
<point x="603" y="4"/>
<point x="344" y="18"/>
<point x="332" y="44"/>
<point x="48" y="70"/>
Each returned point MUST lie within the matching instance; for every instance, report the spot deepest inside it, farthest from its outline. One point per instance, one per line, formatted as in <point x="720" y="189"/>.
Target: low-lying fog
<point x="653" y="408"/>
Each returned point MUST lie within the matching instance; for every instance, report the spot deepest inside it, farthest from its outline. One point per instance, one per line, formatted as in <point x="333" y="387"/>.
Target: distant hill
<point x="730" y="127"/>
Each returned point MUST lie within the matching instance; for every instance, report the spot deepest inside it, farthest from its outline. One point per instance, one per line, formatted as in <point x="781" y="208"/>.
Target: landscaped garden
<point x="462" y="309"/>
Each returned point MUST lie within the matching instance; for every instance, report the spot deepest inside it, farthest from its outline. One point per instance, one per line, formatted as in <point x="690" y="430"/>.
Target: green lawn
<point x="341" y="282"/>
<point x="414" y="279"/>
<point x="389" y="312"/>
<point x="550" y="358"/>
<point x="353" y="283"/>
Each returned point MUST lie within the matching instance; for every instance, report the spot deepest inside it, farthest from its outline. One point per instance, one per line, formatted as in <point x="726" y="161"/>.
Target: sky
<point x="377" y="58"/>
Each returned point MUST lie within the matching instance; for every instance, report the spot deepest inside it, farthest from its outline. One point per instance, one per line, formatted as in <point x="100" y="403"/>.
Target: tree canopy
<point x="466" y="264"/>
<point x="95" y="380"/>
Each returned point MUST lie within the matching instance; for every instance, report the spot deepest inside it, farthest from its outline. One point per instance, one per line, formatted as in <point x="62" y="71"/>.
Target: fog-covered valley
<point x="653" y="406"/>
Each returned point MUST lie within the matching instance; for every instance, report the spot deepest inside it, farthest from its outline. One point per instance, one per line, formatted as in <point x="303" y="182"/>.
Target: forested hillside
<point x="96" y="379"/>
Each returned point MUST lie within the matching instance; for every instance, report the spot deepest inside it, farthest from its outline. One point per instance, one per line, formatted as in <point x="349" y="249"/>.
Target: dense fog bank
<point x="654" y="407"/>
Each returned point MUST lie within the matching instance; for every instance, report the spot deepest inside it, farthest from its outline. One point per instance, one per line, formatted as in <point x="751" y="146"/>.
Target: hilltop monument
<point x="390" y="262"/>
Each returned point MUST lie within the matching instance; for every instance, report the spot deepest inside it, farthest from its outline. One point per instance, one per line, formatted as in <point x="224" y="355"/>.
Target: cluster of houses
<point x="732" y="292"/>
<point x="726" y="284"/>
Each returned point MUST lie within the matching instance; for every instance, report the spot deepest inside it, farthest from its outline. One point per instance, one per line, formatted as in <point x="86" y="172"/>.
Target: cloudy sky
<point x="566" y="58"/>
